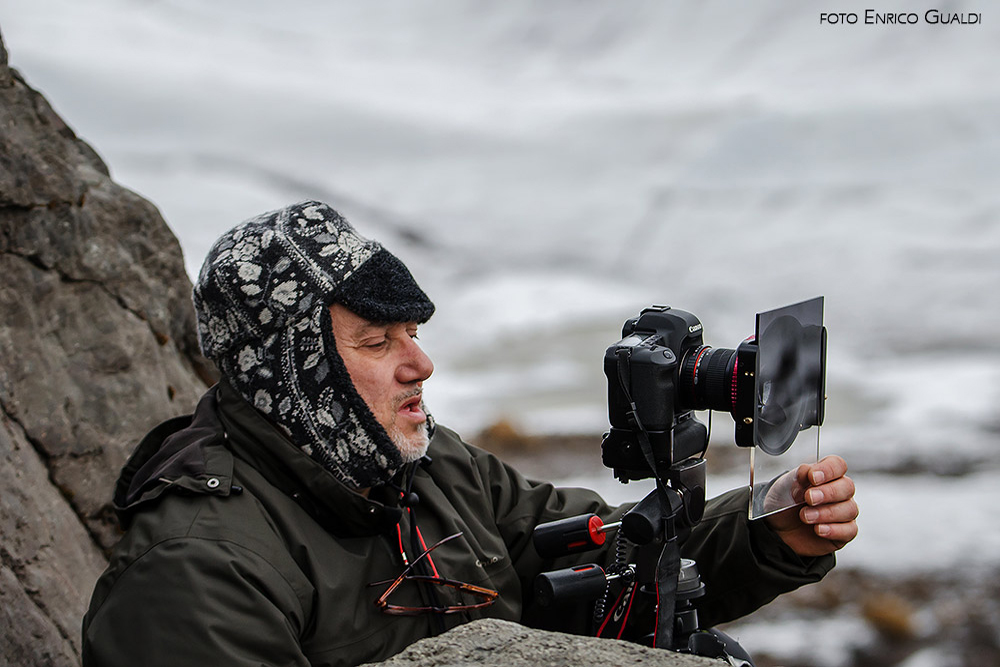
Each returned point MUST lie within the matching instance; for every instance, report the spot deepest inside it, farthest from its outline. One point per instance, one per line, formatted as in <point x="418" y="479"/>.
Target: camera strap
<point x="669" y="564"/>
<point x="625" y="381"/>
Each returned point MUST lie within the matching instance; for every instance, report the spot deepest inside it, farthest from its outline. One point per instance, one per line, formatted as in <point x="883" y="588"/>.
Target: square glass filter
<point x="790" y="393"/>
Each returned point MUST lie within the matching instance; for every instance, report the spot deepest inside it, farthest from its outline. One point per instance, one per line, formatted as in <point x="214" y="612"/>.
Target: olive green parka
<point x="242" y="550"/>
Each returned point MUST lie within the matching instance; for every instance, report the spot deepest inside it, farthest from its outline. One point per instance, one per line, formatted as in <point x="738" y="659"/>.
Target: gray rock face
<point x="97" y="345"/>
<point x="495" y="643"/>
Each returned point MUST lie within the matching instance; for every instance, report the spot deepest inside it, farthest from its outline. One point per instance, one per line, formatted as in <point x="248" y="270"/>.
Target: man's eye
<point x="376" y="344"/>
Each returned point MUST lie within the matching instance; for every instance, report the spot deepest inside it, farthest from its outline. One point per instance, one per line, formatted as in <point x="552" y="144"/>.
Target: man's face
<point x="388" y="369"/>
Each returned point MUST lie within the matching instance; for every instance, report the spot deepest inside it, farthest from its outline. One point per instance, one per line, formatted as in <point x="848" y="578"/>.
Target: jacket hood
<point x="184" y="453"/>
<point x="195" y="454"/>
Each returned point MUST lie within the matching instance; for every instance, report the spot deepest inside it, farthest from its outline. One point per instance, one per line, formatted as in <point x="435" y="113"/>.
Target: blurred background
<point x="549" y="169"/>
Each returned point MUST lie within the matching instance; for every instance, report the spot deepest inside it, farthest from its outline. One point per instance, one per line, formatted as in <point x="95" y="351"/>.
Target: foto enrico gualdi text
<point x="875" y="17"/>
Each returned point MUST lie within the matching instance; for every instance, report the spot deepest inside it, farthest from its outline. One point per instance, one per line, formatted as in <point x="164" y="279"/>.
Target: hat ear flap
<point x="359" y="447"/>
<point x="300" y="383"/>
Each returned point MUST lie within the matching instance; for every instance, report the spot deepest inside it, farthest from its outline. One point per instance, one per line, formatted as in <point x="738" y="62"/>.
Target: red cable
<point x="423" y="545"/>
<point x="402" y="552"/>
<point x="657" y="619"/>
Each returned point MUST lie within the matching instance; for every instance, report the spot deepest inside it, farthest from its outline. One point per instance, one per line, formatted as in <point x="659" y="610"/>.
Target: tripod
<point x="654" y="575"/>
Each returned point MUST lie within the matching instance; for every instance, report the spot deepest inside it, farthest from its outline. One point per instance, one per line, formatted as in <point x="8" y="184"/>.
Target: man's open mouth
<point x="412" y="405"/>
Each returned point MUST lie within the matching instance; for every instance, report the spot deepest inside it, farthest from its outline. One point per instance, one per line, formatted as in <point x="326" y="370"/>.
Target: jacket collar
<point x="184" y="453"/>
<point x="195" y="454"/>
<point x="338" y="508"/>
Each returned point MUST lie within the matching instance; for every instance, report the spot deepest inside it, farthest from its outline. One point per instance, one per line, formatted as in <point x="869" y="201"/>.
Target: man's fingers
<point x="836" y="491"/>
<point x="838" y="533"/>
<point x="826" y="469"/>
<point x="842" y="512"/>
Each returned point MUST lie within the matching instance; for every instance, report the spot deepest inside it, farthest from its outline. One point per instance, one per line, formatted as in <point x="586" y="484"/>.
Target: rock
<point x="49" y="563"/>
<point x="504" y="644"/>
<point x="97" y="345"/>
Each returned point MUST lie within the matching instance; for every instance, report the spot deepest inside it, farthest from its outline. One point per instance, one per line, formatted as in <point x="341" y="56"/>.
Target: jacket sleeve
<point x="518" y="505"/>
<point x="743" y="564"/>
<point x="190" y="601"/>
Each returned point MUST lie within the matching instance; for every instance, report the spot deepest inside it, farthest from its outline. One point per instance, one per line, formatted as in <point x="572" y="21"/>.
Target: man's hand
<point x="828" y="520"/>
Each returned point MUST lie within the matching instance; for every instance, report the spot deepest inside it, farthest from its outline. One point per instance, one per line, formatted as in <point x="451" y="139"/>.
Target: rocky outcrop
<point x="495" y="643"/>
<point x="97" y="344"/>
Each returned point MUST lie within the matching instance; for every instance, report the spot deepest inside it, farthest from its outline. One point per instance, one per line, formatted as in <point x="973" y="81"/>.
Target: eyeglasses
<point x="486" y="595"/>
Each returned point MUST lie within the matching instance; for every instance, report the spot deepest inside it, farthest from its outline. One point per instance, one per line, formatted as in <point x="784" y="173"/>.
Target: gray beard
<point x="413" y="447"/>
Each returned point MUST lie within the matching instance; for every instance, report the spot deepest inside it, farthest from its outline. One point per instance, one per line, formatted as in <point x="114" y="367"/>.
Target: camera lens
<point x="708" y="379"/>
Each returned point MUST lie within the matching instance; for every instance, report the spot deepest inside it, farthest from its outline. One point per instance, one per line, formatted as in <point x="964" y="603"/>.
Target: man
<point x="295" y="519"/>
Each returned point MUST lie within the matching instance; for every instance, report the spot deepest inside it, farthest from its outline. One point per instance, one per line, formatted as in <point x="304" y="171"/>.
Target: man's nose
<point x="417" y="366"/>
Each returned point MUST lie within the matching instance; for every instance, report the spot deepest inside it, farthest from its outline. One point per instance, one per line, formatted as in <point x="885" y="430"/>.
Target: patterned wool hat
<point x="262" y="301"/>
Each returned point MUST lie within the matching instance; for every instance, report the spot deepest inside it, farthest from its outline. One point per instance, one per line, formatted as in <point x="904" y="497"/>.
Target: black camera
<point x="659" y="374"/>
<point x="773" y="385"/>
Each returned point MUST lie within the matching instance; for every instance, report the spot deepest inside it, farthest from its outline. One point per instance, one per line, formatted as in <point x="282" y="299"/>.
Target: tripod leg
<point x="667" y="570"/>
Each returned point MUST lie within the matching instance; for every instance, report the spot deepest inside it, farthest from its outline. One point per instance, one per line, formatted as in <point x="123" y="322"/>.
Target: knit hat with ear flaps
<point x="262" y="301"/>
